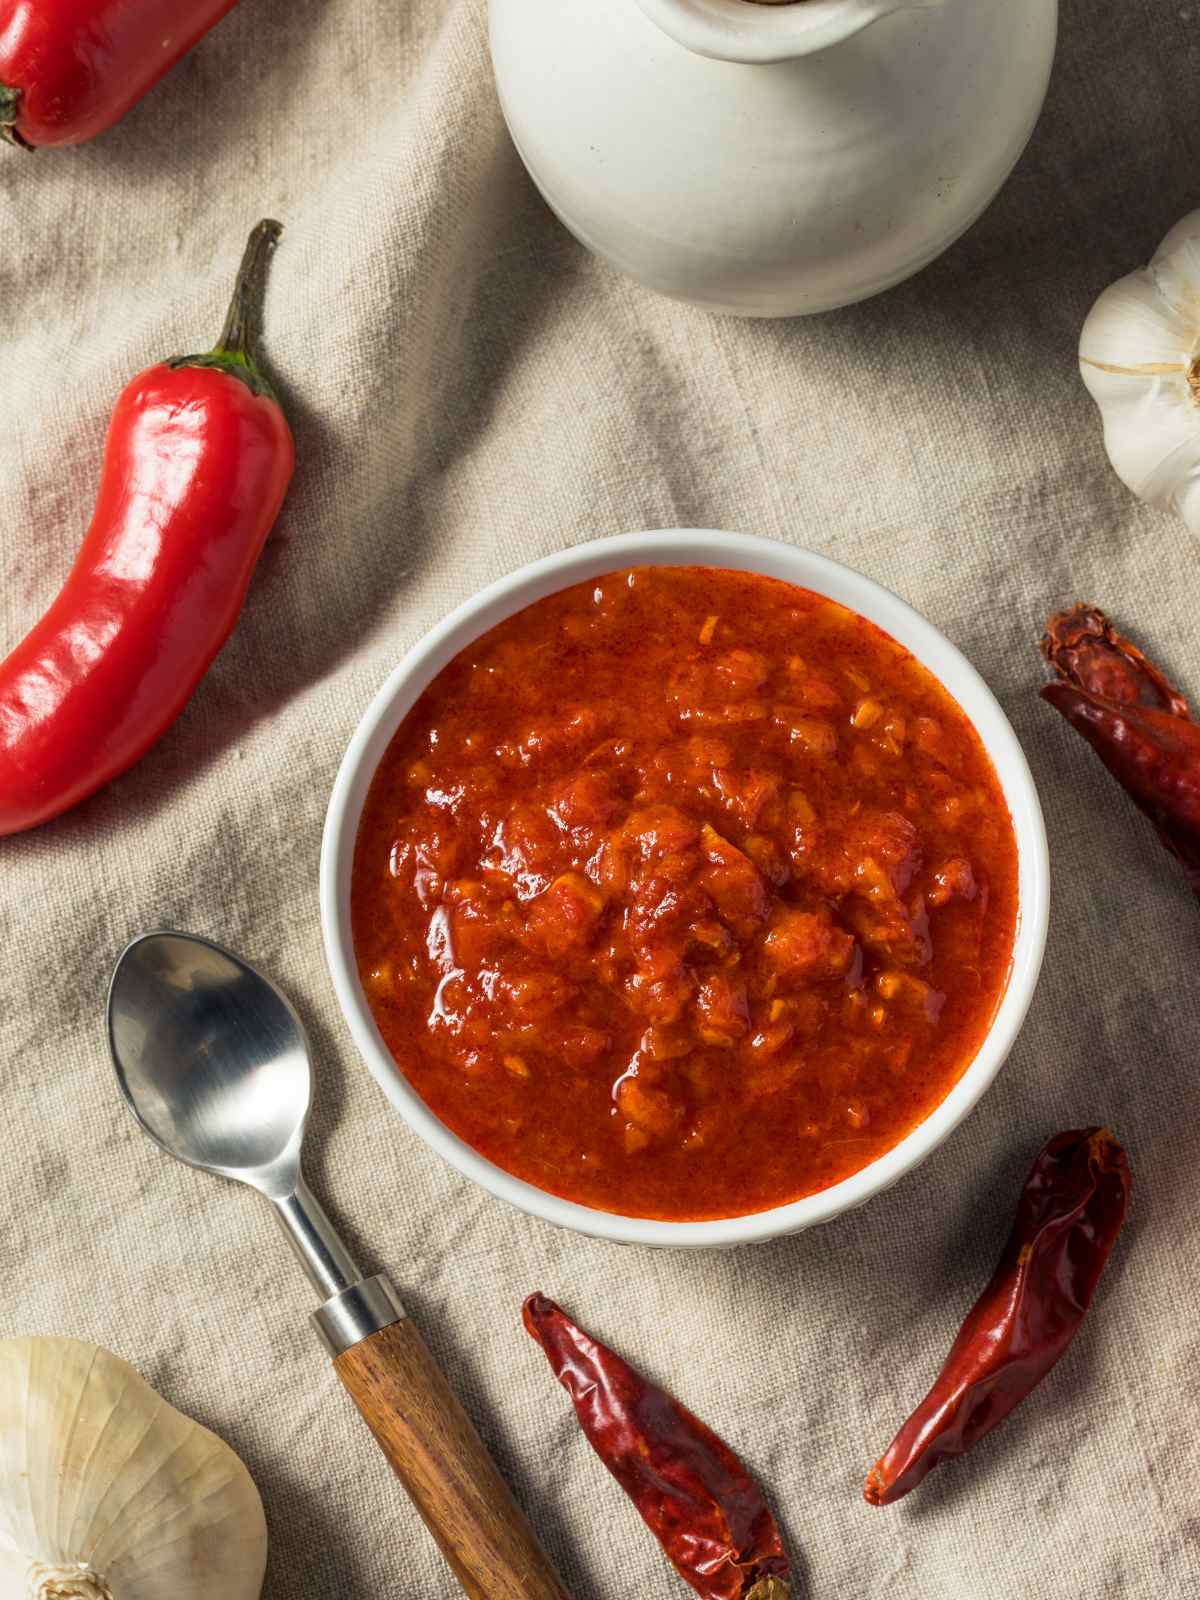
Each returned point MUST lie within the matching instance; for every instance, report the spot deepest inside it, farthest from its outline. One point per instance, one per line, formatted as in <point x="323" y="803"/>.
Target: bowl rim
<point x="739" y="552"/>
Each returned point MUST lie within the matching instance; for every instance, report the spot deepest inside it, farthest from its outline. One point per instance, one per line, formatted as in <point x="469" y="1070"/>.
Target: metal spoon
<point x="214" y="1063"/>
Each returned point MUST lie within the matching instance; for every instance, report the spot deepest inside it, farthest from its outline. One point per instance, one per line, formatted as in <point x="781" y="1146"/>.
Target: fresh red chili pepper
<point x="69" y="69"/>
<point x="195" y="469"/>
<point x="690" y="1489"/>
<point x="1070" y="1213"/>
<point x="1139" y="726"/>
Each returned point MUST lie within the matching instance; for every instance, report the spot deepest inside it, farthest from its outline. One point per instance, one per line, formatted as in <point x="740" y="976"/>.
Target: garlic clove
<point x="1175" y="270"/>
<point x="1139" y="356"/>
<point x="1152" y="435"/>
<point x="109" y="1493"/>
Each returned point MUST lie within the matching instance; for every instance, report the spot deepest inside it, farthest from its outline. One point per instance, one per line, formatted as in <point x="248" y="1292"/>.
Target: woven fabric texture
<point x="469" y="389"/>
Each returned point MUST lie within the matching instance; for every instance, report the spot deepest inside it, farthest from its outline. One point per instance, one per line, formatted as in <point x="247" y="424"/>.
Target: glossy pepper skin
<point x="69" y="69"/>
<point x="1070" y="1213"/>
<point x="690" y="1489"/>
<point x="196" y="466"/>
<point x="1139" y="726"/>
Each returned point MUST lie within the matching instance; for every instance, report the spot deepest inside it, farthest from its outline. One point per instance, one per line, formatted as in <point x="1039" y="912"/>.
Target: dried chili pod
<point x="1069" y="1215"/>
<point x="1137" y="723"/>
<point x="690" y="1489"/>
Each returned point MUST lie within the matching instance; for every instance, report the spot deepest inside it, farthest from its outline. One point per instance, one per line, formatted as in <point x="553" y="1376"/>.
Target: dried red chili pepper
<point x="1139" y="726"/>
<point x="196" y="465"/>
<point x="690" y="1489"/>
<point x="1070" y="1213"/>
<point x="69" y="69"/>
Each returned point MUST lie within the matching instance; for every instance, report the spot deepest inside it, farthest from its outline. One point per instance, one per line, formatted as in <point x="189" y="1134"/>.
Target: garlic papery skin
<point x="65" y="1583"/>
<point x="1139" y="354"/>
<point x="109" y="1493"/>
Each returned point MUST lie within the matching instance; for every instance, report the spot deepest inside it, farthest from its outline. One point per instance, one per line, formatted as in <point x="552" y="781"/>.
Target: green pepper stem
<point x="236" y="350"/>
<point x="10" y="101"/>
<point x="243" y="321"/>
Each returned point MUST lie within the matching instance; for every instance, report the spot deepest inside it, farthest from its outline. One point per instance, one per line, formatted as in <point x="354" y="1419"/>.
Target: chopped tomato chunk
<point x="586" y="800"/>
<point x="746" y="794"/>
<point x="659" y="831"/>
<point x="803" y="945"/>
<point x="721" y="1009"/>
<point x="649" y="1109"/>
<point x="563" y="917"/>
<point x="732" y="881"/>
<point x="953" y="880"/>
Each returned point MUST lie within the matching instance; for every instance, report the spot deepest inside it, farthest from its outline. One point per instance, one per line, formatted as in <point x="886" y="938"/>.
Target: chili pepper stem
<point x="769" y="1589"/>
<point x="10" y="100"/>
<point x="243" y="321"/>
<point x="236" y="349"/>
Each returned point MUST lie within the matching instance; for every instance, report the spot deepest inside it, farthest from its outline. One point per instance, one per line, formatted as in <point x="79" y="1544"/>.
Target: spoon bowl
<point x="211" y="1058"/>
<point x="213" y="1062"/>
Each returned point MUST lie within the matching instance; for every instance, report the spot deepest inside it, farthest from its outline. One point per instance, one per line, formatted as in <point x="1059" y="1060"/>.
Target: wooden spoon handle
<point x="444" y="1465"/>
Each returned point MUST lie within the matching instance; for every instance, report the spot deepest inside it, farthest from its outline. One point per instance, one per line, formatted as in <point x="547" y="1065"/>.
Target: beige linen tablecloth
<point x="469" y="390"/>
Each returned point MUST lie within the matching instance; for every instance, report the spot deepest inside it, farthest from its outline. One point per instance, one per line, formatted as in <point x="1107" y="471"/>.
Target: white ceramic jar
<point x="771" y="160"/>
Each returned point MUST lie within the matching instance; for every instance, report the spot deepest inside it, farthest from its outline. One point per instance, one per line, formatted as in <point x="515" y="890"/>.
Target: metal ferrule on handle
<point x="355" y="1307"/>
<point x="356" y="1313"/>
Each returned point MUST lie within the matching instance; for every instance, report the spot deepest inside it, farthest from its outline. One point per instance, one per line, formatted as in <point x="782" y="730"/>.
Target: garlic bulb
<point x="108" y="1493"/>
<point x="1139" y="354"/>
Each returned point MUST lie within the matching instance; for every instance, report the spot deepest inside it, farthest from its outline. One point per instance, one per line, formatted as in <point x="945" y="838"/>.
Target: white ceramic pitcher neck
<point x="742" y="30"/>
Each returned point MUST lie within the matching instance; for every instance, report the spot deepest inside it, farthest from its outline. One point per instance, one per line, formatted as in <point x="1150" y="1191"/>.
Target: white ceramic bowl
<point x="684" y="547"/>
